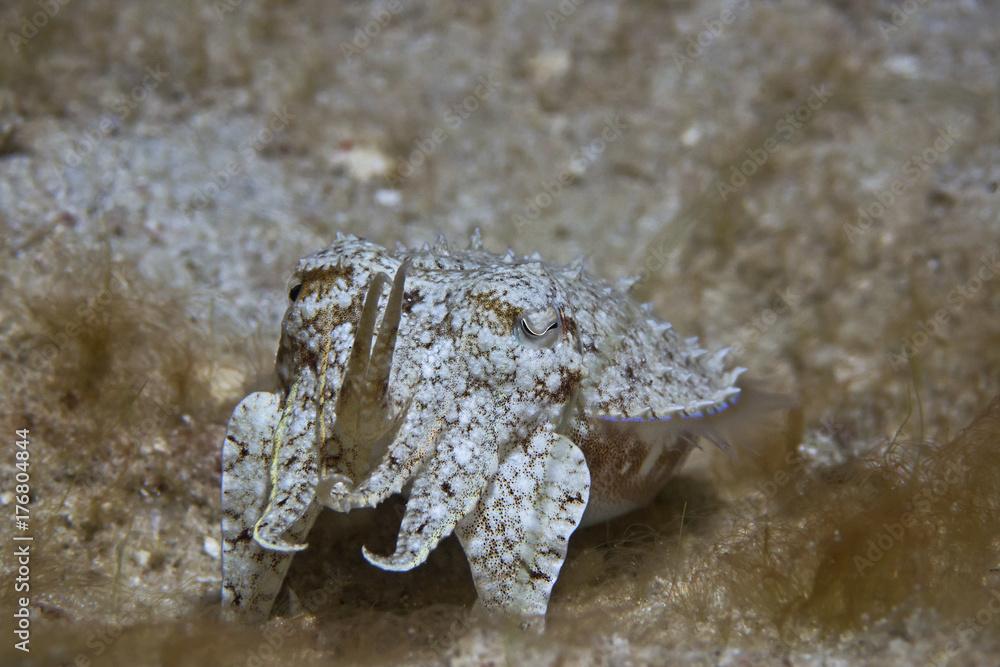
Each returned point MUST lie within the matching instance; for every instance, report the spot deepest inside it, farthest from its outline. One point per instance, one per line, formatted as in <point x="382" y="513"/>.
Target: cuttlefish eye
<point x="539" y="328"/>
<point x="293" y="293"/>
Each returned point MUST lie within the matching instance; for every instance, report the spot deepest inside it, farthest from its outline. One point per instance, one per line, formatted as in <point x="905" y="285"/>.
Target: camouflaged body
<point x="505" y="396"/>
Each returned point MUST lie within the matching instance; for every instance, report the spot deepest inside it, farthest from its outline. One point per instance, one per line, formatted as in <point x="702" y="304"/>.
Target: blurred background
<point x="814" y="184"/>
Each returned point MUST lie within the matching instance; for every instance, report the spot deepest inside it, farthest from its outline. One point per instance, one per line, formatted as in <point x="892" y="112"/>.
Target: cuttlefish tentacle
<point x="363" y="426"/>
<point x="350" y="402"/>
<point x="363" y="433"/>
<point x="442" y="493"/>
<point x="381" y="359"/>
<point x="516" y="537"/>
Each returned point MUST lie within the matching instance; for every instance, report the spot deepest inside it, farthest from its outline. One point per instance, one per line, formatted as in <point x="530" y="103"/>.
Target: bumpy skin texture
<point x="510" y="399"/>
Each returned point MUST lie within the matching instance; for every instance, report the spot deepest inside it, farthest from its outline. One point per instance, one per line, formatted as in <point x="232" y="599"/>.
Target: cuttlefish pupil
<point x="540" y="327"/>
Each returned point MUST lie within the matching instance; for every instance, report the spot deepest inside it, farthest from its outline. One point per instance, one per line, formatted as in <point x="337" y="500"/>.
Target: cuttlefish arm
<point x="294" y="471"/>
<point x="271" y="465"/>
<point x="444" y="490"/>
<point x="364" y="425"/>
<point x="516" y="537"/>
<point x="251" y="574"/>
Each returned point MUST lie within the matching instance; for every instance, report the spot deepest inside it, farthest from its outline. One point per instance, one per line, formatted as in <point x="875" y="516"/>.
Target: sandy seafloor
<point x="812" y="183"/>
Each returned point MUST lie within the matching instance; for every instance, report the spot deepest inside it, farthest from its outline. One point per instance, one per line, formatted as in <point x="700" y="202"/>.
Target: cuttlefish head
<point x="517" y="342"/>
<point x="325" y="296"/>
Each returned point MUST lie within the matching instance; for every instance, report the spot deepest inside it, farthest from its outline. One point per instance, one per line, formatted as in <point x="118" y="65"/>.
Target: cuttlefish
<point x="510" y="400"/>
